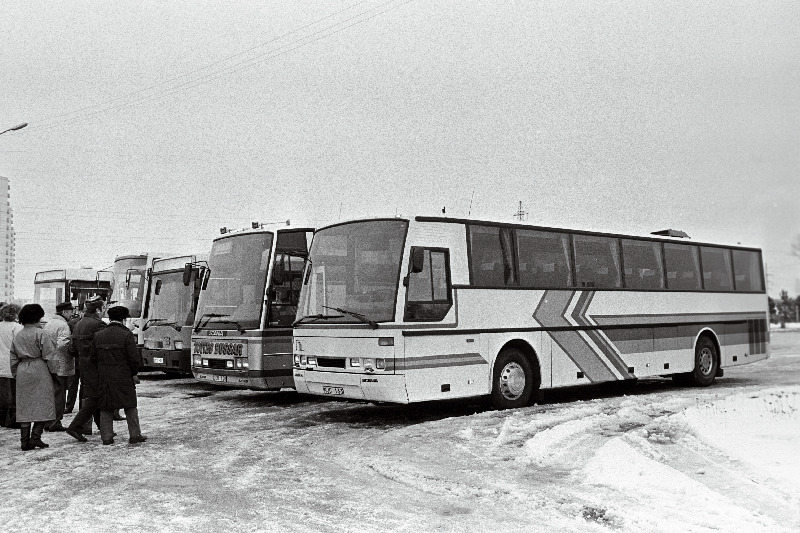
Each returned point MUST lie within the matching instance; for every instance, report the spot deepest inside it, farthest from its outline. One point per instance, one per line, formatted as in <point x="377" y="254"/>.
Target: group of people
<point x="41" y="364"/>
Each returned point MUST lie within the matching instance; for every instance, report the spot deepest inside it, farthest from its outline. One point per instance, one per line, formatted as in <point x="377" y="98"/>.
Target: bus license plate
<point x="333" y="390"/>
<point x="158" y="360"/>
<point x="220" y="378"/>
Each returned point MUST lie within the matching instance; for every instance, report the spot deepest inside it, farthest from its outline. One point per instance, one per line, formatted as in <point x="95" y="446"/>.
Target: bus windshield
<point x="129" y="284"/>
<point x="353" y="272"/>
<point x="171" y="301"/>
<point x="235" y="293"/>
<point x="49" y="294"/>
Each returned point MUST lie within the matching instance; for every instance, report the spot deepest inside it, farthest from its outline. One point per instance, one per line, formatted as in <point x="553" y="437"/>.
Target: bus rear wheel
<point x="513" y="383"/>
<point x="706" y="363"/>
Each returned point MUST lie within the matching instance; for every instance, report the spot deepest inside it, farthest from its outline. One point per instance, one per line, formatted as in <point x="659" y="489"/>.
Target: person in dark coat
<point x="117" y="367"/>
<point x="82" y="339"/>
<point x="74" y="380"/>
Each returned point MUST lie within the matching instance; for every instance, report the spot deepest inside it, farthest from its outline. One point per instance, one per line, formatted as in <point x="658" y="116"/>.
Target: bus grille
<point x="217" y="364"/>
<point x="330" y="362"/>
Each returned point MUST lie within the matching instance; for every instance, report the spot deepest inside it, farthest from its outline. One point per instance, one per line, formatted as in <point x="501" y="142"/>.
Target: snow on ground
<point x="654" y="457"/>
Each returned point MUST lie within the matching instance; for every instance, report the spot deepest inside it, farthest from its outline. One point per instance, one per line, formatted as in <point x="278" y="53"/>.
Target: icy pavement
<point x="652" y="458"/>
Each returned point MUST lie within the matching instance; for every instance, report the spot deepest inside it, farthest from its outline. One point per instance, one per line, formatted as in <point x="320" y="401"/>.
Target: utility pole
<point x="521" y="214"/>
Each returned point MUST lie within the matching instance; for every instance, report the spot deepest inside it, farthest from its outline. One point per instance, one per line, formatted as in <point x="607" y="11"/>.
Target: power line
<point x="236" y="67"/>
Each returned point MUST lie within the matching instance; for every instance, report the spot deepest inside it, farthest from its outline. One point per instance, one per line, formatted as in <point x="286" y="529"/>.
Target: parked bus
<point x="432" y="308"/>
<point x="242" y="334"/>
<point x="52" y="287"/>
<point x="132" y="289"/>
<point x="175" y="287"/>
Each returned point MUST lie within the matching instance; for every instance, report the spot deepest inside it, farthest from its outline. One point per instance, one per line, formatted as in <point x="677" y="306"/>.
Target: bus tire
<point x="706" y="363"/>
<point x="512" y="381"/>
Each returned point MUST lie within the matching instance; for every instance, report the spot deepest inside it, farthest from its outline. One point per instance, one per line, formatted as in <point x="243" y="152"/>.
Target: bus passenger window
<point x="717" y="274"/>
<point x="747" y="267"/>
<point x="597" y="261"/>
<point x="428" y="297"/>
<point x="643" y="264"/>
<point x="683" y="266"/>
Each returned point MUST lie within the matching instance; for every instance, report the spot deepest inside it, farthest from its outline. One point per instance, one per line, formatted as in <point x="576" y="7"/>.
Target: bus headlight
<point x="302" y="359"/>
<point x="205" y="362"/>
<point x="178" y="345"/>
<point x="368" y="363"/>
<point x="355" y="362"/>
<point x="229" y="364"/>
<point x="197" y="360"/>
<point x="380" y="364"/>
<point x="296" y="360"/>
<point x="242" y="362"/>
<point x="311" y="360"/>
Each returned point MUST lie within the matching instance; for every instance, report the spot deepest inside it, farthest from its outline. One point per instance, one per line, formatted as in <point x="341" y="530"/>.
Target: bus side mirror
<point x="128" y="280"/>
<point x="206" y="277"/>
<point x="158" y="286"/>
<point x="417" y="260"/>
<point x="187" y="274"/>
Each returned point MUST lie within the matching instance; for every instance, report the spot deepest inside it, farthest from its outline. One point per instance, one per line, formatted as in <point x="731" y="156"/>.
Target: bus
<point x="242" y="335"/>
<point x="132" y="289"/>
<point x="52" y="287"/>
<point x="430" y="308"/>
<point x="167" y="329"/>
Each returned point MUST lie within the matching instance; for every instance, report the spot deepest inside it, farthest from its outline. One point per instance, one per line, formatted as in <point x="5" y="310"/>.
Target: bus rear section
<point x="433" y="308"/>
<point x="242" y="334"/>
<point x="167" y="330"/>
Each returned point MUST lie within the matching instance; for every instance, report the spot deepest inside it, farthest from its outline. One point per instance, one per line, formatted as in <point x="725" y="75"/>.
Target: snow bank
<point x="761" y="430"/>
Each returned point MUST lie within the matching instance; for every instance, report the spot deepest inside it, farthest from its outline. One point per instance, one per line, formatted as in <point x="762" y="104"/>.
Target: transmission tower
<point x="521" y="214"/>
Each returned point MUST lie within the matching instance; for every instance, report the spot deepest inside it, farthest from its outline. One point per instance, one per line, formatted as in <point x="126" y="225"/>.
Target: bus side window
<point x="429" y="293"/>
<point x="284" y="295"/>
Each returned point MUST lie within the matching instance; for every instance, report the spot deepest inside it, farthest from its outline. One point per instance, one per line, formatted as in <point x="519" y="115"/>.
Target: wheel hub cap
<point x="512" y="381"/>
<point x="706" y="361"/>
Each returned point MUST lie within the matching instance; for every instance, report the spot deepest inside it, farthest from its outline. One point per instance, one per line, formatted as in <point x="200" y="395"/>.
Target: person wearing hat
<point x="117" y="365"/>
<point x="82" y="337"/>
<point x="59" y="332"/>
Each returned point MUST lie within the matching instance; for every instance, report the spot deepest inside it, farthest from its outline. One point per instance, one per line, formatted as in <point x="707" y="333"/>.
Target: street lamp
<point x="15" y="128"/>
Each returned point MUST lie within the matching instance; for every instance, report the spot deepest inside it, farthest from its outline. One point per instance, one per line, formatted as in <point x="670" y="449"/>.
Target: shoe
<point x="76" y="435"/>
<point x="56" y="426"/>
<point x="119" y="417"/>
<point x="107" y="442"/>
<point x="137" y="440"/>
<point x="36" y="442"/>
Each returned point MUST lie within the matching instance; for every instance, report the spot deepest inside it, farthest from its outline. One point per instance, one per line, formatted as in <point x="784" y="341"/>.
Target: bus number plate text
<point x="332" y="390"/>
<point x="220" y="378"/>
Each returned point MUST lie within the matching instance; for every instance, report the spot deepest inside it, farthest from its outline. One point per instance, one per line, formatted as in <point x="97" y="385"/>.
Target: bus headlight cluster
<point x="229" y="363"/>
<point x="368" y="363"/>
<point x="205" y="362"/>
<point x="242" y="362"/>
<point x="197" y="360"/>
<point x="178" y="345"/>
<point x="305" y="360"/>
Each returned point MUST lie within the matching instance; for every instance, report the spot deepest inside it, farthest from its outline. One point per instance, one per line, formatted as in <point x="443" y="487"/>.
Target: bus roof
<point x="177" y="262"/>
<point x="73" y="274"/>
<point x="249" y="231"/>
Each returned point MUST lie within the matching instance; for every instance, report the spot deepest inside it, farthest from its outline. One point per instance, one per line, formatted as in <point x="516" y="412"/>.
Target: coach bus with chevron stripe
<point x="429" y="308"/>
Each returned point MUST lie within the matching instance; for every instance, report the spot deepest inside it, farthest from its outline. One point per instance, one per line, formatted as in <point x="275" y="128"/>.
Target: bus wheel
<point x="513" y="380"/>
<point x="706" y="363"/>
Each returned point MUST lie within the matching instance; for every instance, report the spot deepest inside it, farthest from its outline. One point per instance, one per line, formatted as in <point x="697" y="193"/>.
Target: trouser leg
<point x="25" y="435"/>
<point x="37" y="429"/>
<point x="106" y="425"/>
<point x="84" y="416"/>
<point x="72" y="389"/>
<point x="132" y="414"/>
<point x="60" y="390"/>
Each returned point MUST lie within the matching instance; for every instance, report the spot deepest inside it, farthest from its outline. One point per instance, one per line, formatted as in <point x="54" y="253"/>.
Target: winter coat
<point x="33" y="361"/>
<point x="7" y="332"/>
<point x="59" y="331"/>
<point x="117" y="364"/>
<point x="82" y="339"/>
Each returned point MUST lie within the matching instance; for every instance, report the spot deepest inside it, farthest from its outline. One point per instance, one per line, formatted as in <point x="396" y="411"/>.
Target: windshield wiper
<point x="314" y="317"/>
<point x="209" y="316"/>
<point x="160" y="322"/>
<point x="359" y="316"/>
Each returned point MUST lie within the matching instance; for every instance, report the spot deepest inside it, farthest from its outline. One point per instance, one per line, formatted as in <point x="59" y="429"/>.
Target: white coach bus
<point x="431" y="308"/>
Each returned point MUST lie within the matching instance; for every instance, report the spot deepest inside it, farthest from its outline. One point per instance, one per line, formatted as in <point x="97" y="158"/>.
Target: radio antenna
<point x="470" y="202"/>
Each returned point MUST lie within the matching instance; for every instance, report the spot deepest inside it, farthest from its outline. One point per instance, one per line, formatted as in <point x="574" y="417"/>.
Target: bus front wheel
<point x="512" y="384"/>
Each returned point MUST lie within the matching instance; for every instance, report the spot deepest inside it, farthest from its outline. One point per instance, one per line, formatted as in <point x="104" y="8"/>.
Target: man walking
<point x="82" y="337"/>
<point x="59" y="332"/>
<point x="74" y="380"/>
<point x="117" y="366"/>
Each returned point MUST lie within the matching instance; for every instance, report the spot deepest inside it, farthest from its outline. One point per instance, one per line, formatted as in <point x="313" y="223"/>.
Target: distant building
<point x="8" y="243"/>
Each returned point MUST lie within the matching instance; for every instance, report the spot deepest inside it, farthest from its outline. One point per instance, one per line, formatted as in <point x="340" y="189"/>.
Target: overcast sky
<point x="152" y="124"/>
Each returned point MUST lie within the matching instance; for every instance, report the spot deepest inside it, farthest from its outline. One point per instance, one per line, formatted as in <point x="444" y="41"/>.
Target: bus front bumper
<point x="245" y="379"/>
<point x="167" y="360"/>
<point x="343" y="385"/>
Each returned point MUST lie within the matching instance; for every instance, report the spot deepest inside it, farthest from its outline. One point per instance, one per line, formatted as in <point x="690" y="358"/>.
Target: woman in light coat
<point x="33" y="363"/>
<point x="8" y="387"/>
